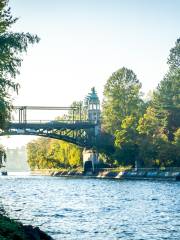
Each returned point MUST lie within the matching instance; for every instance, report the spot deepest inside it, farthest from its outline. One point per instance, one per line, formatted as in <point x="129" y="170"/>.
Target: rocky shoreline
<point x="10" y="229"/>
<point x="111" y="174"/>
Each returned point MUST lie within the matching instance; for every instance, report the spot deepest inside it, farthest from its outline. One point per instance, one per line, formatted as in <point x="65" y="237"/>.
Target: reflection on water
<point x="19" y="174"/>
<point x="94" y="209"/>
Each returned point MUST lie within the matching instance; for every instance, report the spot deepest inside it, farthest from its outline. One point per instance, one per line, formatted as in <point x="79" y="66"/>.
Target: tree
<point x="177" y="138"/>
<point x="167" y="101"/>
<point x="122" y="97"/>
<point x="158" y="126"/>
<point x="149" y="124"/>
<point x="105" y="146"/>
<point x="126" y="142"/>
<point x="37" y="154"/>
<point x="12" y="45"/>
<point x="77" y="111"/>
<point x="176" y="143"/>
<point x="149" y="130"/>
<point x="128" y="132"/>
<point x="46" y="153"/>
<point x="174" y="56"/>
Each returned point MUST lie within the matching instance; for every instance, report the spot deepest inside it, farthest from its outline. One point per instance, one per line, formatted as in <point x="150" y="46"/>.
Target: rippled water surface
<point x="68" y="208"/>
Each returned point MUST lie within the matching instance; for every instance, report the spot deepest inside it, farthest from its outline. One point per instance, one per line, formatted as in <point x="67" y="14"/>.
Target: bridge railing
<point x="53" y="121"/>
<point x="72" y="112"/>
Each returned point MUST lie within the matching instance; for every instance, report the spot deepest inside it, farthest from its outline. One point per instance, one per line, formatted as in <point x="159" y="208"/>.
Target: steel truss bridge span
<point x="73" y="130"/>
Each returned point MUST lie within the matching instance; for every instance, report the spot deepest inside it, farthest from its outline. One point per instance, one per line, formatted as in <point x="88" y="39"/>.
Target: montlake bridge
<point x="72" y="128"/>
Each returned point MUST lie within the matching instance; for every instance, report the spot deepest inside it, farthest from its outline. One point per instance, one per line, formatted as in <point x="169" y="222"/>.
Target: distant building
<point x="17" y="160"/>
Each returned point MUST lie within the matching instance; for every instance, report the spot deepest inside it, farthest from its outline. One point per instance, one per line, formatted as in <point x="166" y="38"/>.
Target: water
<point x="85" y="209"/>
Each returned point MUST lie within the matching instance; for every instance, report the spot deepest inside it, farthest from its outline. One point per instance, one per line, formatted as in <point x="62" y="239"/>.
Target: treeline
<point x="135" y="130"/>
<point x="146" y="131"/>
<point x="45" y="153"/>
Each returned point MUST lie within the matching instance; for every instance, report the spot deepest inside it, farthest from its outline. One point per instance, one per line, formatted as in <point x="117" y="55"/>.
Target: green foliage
<point x="174" y="56"/>
<point x="177" y="138"/>
<point x="105" y="143"/>
<point x="126" y="141"/>
<point x="146" y="133"/>
<point x="78" y="112"/>
<point x="10" y="229"/>
<point x="6" y="20"/>
<point x="5" y="108"/>
<point x="121" y="98"/>
<point x="167" y="101"/>
<point x="64" y="154"/>
<point x="127" y="132"/>
<point x="45" y="153"/>
<point x="12" y="45"/>
<point x="149" y="124"/>
<point x="176" y="144"/>
<point x="134" y="132"/>
<point x="38" y="148"/>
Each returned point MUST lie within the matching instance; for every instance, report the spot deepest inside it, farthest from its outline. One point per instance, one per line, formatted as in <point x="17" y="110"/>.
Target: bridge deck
<point x="52" y="125"/>
<point x="75" y="130"/>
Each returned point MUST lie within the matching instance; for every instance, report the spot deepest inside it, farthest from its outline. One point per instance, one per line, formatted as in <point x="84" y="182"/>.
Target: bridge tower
<point x="92" y="105"/>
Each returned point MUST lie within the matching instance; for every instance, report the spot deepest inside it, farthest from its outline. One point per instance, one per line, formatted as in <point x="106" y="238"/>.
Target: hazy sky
<point x="84" y="41"/>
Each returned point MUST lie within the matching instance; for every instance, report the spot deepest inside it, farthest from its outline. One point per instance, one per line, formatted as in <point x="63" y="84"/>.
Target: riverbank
<point x="141" y="174"/>
<point x="10" y="229"/>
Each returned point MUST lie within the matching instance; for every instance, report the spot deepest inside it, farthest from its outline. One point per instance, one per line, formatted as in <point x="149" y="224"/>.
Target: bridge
<point x="78" y="126"/>
<point x="73" y="129"/>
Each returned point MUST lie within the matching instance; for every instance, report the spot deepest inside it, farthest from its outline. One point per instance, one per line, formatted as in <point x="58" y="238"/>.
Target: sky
<point x="84" y="41"/>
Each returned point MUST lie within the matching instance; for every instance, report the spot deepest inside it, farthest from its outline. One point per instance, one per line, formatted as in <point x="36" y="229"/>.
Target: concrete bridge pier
<point x="90" y="160"/>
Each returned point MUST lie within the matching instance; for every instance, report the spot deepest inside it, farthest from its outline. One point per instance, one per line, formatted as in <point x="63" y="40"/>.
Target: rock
<point x="34" y="233"/>
<point x="178" y="177"/>
<point x="11" y="229"/>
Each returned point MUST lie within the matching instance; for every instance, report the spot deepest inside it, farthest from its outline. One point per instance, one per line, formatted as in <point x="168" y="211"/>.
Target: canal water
<point x="68" y="208"/>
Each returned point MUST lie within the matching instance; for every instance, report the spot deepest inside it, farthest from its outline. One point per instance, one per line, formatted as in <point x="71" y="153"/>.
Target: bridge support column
<point x="90" y="160"/>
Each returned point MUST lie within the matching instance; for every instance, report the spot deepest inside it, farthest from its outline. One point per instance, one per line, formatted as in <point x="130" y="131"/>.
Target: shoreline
<point x="108" y="174"/>
<point x="11" y="229"/>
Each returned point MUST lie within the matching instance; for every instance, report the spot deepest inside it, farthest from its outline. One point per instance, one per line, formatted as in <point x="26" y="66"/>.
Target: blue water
<point x="68" y="208"/>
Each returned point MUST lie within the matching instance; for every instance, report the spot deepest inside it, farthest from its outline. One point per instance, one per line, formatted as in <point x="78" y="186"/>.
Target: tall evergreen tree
<point x="167" y="96"/>
<point x="174" y="56"/>
<point x="167" y="101"/>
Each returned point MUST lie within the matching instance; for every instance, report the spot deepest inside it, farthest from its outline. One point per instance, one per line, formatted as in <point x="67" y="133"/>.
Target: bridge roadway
<point x="81" y="133"/>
